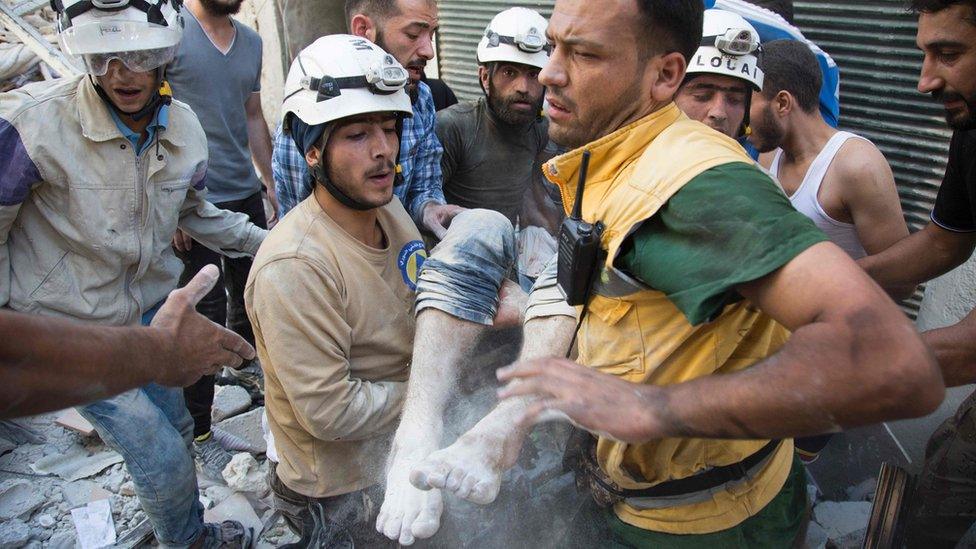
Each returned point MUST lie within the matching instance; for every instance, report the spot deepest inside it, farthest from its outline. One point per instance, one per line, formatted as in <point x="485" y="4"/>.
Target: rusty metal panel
<point x="873" y="42"/>
<point x="462" y="23"/>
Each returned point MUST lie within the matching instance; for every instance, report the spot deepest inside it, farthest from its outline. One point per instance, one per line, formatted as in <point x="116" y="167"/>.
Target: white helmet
<point x="343" y="75"/>
<point x="143" y="34"/>
<point x="516" y="35"/>
<point x="729" y="47"/>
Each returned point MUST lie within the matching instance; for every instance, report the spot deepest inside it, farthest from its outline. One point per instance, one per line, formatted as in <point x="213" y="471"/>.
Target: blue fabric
<point x="158" y="123"/>
<point x="771" y="26"/>
<point x="306" y="136"/>
<point x="152" y="430"/>
<point x="17" y="171"/>
<point x="420" y="158"/>
<point x="466" y="269"/>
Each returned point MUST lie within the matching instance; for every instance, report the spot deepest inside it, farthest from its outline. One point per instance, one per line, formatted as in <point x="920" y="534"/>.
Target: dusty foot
<point x="471" y="468"/>
<point x="408" y="514"/>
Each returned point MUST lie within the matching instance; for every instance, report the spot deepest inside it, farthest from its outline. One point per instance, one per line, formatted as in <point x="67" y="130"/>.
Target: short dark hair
<point x="791" y="66"/>
<point x="934" y="6"/>
<point x="378" y="10"/>
<point x="670" y="25"/>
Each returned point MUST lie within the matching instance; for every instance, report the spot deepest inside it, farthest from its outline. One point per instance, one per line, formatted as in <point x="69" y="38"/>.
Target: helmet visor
<point x="97" y="64"/>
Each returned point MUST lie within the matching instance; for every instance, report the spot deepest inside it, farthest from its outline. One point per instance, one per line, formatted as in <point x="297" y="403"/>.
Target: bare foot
<point x="471" y="467"/>
<point x="408" y="514"/>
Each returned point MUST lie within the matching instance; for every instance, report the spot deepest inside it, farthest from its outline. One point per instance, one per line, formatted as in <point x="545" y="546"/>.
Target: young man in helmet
<point x="98" y="172"/>
<point x="505" y="128"/>
<point x="404" y="28"/>
<point x="722" y="74"/>
<point x="333" y="294"/>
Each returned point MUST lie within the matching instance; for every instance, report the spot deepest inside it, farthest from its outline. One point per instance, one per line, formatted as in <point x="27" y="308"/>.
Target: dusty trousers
<point x="945" y="495"/>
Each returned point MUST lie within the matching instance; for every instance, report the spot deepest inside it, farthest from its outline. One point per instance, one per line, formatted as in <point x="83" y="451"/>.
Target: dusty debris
<point x="63" y="540"/>
<point x="248" y="427"/>
<point x="244" y="474"/>
<point x="229" y="401"/>
<point x="71" y="419"/>
<point x="6" y="446"/>
<point x="76" y="463"/>
<point x="81" y="492"/>
<point x="863" y="491"/>
<point x="14" y="534"/>
<point x="236" y="508"/>
<point x="128" y="488"/>
<point x="18" y="498"/>
<point x="94" y="524"/>
<point x="845" y="522"/>
<point x="18" y="433"/>
<point x="45" y="521"/>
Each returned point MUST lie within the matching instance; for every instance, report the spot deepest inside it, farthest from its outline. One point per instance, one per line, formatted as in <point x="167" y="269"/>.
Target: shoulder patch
<point x="410" y="260"/>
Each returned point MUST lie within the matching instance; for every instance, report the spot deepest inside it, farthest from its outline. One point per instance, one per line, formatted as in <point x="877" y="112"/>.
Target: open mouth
<point x="380" y="178"/>
<point x="557" y="109"/>
<point x="127" y="93"/>
<point x="522" y="105"/>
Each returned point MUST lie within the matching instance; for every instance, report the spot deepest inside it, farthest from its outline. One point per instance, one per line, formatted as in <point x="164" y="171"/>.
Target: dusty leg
<point x="472" y="466"/>
<point x="408" y="513"/>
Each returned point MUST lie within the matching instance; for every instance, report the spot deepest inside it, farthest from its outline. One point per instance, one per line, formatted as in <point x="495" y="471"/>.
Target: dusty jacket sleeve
<point x="300" y="311"/>
<point x="18" y="175"/>
<point x="228" y="233"/>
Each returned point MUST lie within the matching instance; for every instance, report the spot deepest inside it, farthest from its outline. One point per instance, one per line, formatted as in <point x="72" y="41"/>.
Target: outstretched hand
<point x="198" y="347"/>
<point x="437" y="217"/>
<point x="602" y="404"/>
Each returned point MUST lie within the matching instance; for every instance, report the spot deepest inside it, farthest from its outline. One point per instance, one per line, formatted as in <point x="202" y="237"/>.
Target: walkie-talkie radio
<point x="579" y="247"/>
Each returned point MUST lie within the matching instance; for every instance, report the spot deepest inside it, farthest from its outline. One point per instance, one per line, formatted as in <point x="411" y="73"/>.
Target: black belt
<point x="707" y="480"/>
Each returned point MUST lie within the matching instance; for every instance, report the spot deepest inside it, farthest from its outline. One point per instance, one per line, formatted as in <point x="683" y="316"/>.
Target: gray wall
<point x="306" y="20"/>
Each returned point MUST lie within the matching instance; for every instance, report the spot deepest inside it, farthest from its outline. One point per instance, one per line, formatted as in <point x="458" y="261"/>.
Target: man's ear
<point x="667" y="72"/>
<point x="362" y="25"/>
<point x="483" y="75"/>
<point x="784" y="104"/>
<point x="312" y="157"/>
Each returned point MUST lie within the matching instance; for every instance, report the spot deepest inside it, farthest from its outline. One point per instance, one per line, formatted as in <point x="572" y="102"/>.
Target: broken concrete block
<point x="113" y="482"/>
<point x="229" y="401"/>
<point x="94" y="524"/>
<point x="6" y="446"/>
<point x="218" y="494"/>
<point x="62" y="540"/>
<point x="244" y="474"/>
<point x="71" y="419"/>
<point x="863" y="491"/>
<point x="816" y="537"/>
<point x="14" y="534"/>
<point x="236" y="508"/>
<point x="76" y="464"/>
<point x="45" y="521"/>
<point x="81" y="492"/>
<point x="843" y="521"/>
<point x="18" y="498"/>
<point x="248" y="427"/>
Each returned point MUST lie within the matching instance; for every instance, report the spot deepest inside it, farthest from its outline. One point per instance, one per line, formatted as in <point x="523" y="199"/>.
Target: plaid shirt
<point x="420" y="158"/>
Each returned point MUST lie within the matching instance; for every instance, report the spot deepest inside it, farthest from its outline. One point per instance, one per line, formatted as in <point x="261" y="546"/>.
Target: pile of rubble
<point x="840" y="524"/>
<point x="62" y="487"/>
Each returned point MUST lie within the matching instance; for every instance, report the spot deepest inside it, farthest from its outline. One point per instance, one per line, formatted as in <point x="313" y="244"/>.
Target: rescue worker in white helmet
<point x="334" y="291"/>
<point x="505" y="128"/>
<point x="723" y="74"/>
<point x="97" y="172"/>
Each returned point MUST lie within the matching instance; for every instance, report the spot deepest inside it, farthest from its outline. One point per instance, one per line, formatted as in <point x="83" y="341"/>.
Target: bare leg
<point x="408" y="513"/>
<point x="472" y="466"/>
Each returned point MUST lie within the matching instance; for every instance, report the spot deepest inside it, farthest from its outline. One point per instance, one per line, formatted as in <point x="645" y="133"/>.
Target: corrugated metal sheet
<point x="873" y="42"/>
<point x="462" y="24"/>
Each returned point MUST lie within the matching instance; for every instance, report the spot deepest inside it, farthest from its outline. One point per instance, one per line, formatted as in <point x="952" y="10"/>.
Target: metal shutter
<point x="873" y="42"/>
<point x="462" y="23"/>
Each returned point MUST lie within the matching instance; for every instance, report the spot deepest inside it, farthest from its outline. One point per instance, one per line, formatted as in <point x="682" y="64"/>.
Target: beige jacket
<point x="333" y="322"/>
<point x="85" y="223"/>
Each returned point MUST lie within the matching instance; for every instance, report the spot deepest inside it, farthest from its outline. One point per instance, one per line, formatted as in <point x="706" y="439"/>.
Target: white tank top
<point x="805" y="197"/>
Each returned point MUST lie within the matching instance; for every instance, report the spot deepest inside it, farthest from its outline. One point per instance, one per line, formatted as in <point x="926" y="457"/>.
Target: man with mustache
<point x="333" y="294"/>
<point x="945" y="498"/>
<point x="97" y="172"/>
<point x="687" y="374"/>
<point x="404" y="28"/>
<point x="217" y="71"/>
<point x="494" y="147"/>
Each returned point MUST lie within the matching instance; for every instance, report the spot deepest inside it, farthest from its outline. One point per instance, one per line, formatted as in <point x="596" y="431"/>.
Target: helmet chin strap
<point x="162" y="96"/>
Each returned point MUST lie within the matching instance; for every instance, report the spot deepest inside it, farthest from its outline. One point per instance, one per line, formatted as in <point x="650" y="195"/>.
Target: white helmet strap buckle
<point x="735" y="42"/>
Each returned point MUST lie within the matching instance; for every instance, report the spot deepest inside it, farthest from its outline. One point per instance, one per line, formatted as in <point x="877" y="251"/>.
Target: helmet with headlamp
<point x="142" y="34"/>
<point x="729" y="47"/>
<point x="516" y="35"/>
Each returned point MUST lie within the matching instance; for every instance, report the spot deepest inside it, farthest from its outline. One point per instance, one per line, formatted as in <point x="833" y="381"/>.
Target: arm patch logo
<point x="410" y="261"/>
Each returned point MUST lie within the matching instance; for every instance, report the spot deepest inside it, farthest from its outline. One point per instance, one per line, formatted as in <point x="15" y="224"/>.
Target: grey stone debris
<point x="63" y="540"/>
<point x="13" y="534"/>
<point x="845" y="522"/>
<point x="248" y="427"/>
<point x="76" y="464"/>
<point x="128" y="488"/>
<point x="45" y="521"/>
<point x="6" y="446"/>
<point x="244" y="474"/>
<point x="229" y="401"/>
<point x="816" y="536"/>
<point x="863" y="491"/>
<point x="18" y="497"/>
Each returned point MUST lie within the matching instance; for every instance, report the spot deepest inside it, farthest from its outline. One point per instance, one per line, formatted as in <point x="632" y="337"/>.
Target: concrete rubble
<point x="229" y="401"/>
<point x="248" y="427"/>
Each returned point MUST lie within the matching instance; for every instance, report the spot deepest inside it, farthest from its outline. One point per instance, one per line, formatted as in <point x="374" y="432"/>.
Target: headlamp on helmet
<point x="386" y="78"/>
<point x="530" y="42"/>
<point x="735" y="42"/>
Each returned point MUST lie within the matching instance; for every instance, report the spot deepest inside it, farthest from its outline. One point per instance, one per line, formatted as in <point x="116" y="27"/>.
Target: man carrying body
<point x="405" y="28"/>
<point x="945" y="500"/>
<point x="98" y="172"/>
<point x="217" y="49"/>
<point x="707" y="265"/>
<point x="722" y="75"/>
<point x="336" y="366"/>
<point x="504" y="129"/>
